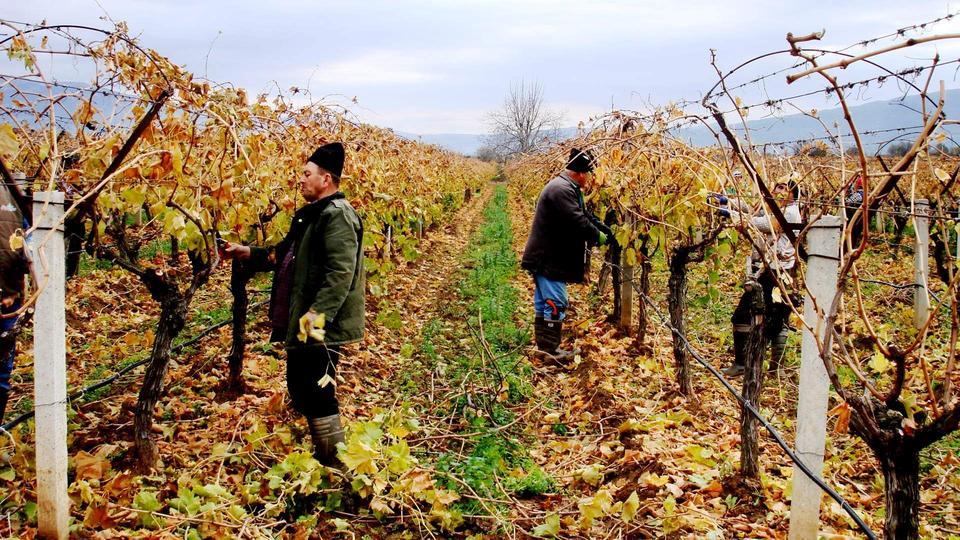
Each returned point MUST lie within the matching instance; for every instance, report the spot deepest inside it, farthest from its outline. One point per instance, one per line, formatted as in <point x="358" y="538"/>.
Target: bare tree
<point x="523" y="124"/>
<point x="489" y="152"/>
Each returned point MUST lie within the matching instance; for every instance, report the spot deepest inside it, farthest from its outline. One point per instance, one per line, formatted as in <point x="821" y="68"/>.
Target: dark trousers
<point x="6" y="362"/>
<point x="306" y="366"/>
<point x="775" y="316"/>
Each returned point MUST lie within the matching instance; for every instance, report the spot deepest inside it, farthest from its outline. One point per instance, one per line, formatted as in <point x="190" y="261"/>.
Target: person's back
<point x="555" y="247"/>
<point x="13" y="268"/>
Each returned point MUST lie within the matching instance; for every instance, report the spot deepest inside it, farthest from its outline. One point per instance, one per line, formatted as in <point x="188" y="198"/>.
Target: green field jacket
<point x="328" y="274"/>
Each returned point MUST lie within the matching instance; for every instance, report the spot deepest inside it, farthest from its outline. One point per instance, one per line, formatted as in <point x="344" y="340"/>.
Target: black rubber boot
<point x="4" y="396"/>
<point x="741" y="340"/>
<point x="326" y="432"/>
<point x="778" y="347"/>
<point x="550" y="336"/>
<point x="538" y="332"/>
<point x="553" y="335"/>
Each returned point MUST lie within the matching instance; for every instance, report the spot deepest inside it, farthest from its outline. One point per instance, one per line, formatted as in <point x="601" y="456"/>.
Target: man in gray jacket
<point x="558" y="248"/>
<point x="317" y="298"/>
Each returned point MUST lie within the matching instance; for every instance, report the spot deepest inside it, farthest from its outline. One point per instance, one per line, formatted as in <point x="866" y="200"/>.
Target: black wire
<point x="946" y="217"/>
<point x="828" y="90"/>
<point x="748" y="406"/>
<point x="109" y="380"/>
<point x="863" y="43"/>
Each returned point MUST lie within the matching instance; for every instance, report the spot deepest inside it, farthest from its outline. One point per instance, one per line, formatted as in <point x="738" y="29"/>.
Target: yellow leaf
<point x="315" y="330"/>
<point x="655" y="480"/>
<point x="630" y="507"/>
<point x="550" y="527"/>
<point x="9" y="146"/>
<point x="592" y="474"/>
<point x="358" y="457"/>
<point x="879" y="363"/>
<point x="594" y="507"/>
<point x="16" y="240"/>
<point x="777" y="296"/>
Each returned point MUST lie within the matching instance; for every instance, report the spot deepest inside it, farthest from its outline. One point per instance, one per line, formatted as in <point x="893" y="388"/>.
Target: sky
<point x="433" y="66"/>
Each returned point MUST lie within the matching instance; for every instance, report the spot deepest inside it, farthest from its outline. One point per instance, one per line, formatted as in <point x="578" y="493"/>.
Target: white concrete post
<point x="921" y="262"/>
<point x="823" y="246"/>
<point x="878" y="222"/>
<point x="50" y="368"/>
<point x="389" y="245"/>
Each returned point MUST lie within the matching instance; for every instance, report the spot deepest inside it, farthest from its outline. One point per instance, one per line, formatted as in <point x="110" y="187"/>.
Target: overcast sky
<point x="440" y="67"/>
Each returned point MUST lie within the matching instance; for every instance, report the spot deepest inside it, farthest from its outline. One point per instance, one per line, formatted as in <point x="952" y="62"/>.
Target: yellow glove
<point x="311" y="326"/>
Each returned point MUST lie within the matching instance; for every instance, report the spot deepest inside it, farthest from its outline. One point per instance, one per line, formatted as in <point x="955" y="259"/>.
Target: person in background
<point x="558" y="248"/>
<point x="13" y="268"/>
<point x="778" y="258"/>
<point x="851" y="203"/>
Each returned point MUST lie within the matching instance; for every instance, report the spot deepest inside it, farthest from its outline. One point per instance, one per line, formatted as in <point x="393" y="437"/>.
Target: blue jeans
<point x="6" y="364"/>
<point x="549" y="298"/>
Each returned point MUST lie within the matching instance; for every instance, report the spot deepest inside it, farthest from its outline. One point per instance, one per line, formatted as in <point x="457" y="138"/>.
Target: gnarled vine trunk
<point x="646" y="267"/>
<point x="901" y="486"/>
<point x="677" y="305"/>
<point x="172" y="319"/>
<point x="752" y="388"/>
<point x="240" y="277"/>
<point x="174" y="304"/>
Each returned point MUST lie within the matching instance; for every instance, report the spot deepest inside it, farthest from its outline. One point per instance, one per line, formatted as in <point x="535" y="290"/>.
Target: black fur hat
<point x="580" y="161"/>
<point x="329" y="157"/>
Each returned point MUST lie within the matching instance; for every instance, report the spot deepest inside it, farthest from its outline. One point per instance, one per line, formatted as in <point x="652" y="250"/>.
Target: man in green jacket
<point x="316" y="302"/>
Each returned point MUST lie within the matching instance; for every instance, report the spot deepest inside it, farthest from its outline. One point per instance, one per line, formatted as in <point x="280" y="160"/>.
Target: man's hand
<point x="311" y="326"/>
<point x="719" y="197"/>
<point x="236" y="251"/>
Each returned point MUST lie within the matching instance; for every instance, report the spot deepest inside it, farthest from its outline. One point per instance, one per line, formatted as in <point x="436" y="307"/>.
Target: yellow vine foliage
<point x="215" y="159"/>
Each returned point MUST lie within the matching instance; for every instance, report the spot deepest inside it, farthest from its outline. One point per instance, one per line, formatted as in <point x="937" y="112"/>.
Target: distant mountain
<point x="466" y="144"/>
<point x="878" y="123"/>
<point x="111" y="107"/>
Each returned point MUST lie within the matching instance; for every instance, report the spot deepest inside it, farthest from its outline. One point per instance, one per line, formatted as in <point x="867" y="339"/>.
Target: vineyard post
<point x="921" y="262"/>
<point x="388" y="248"/>
<point x="626" y="293"/>
<point x="823" y="243"/>
<point x="50" y="367"/>
<point x="878" y="222"/>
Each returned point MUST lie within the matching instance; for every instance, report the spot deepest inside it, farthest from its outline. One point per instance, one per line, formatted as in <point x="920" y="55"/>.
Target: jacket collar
<point x="307" y="215"/>
<point x="568" y="179"/>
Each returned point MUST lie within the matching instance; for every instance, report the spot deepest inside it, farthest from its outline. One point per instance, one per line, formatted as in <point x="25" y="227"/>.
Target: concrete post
<point x="50" y="368"/>
<point x="823" y="245"/>
<point x="921" y="262"/>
